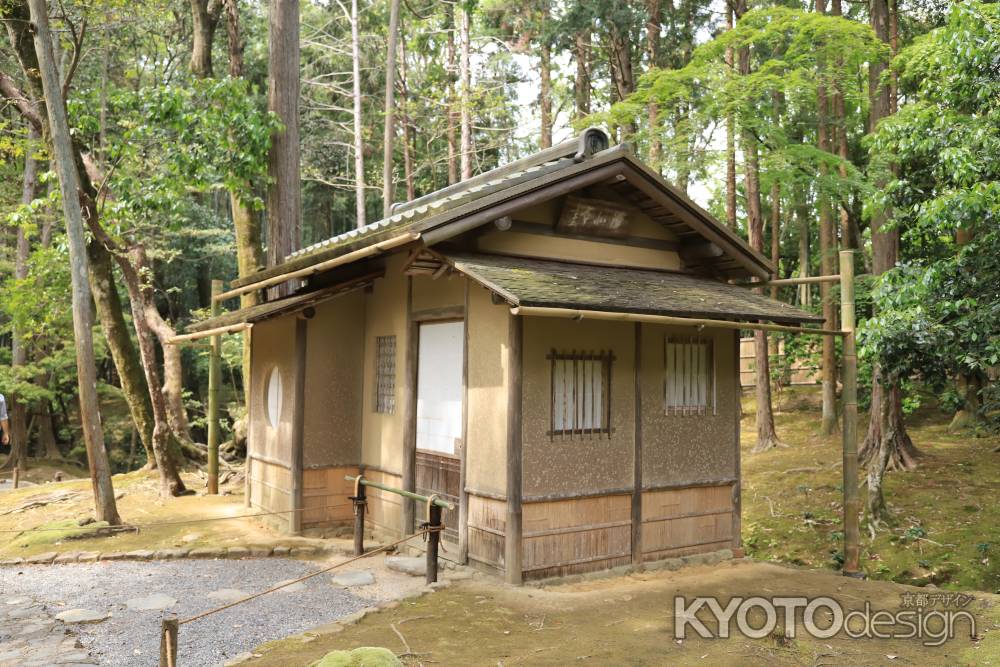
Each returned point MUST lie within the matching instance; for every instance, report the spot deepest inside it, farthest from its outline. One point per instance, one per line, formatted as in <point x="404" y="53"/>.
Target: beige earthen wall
<point x="580" y="464"/>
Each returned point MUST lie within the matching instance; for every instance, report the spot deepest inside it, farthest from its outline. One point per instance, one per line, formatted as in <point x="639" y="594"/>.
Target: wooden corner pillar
<point x="298" y="426"/>
<point x="410" y="411"/>
<point x="637" y="455"/>
<point x="737" y="498"/>
<point x="463" y="496"/>
<point x="513" y="539"/>
<point x="852" y="504"/>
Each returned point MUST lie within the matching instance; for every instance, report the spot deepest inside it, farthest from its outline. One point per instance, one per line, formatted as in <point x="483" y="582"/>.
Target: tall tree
<point x="389" y="134"/>
<point x="465" y="89"/>
<point x="730" y="137"/>
<point x="359" y="140"/>
<point x="284" y="198"/>
<point x="205" y="19"/>
<point x="65" y="162"/>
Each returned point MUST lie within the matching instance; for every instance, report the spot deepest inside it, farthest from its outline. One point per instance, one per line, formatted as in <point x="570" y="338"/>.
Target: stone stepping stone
<point x="353" y="578"/>
<point x="293" y="588"/>
<point x="81" y="616"/>
<point x="154" y="602"/>
<point x="227" y="595"/>
<point x="415" y="566"/>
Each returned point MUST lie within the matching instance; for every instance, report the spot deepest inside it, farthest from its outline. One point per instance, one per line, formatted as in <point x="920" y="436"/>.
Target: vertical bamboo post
<point x="168" y="642"/>
<point x="433" y="540"/>
<point x="214" y="378"/>
<point x="850" y="428"/>
<point x="17" y="475"/>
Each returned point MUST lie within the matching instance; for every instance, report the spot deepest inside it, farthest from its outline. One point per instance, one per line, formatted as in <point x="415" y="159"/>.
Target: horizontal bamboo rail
<point x="217" y="331"/>
<point x="362" y="253"/>
<point x="805" y="280"/>
<point x="437" y="502"/>
<point x="566" y="313"/>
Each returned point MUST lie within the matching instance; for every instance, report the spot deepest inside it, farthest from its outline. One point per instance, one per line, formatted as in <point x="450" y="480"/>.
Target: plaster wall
<point x="688" y="448"/>
<point x="581" y="464"/>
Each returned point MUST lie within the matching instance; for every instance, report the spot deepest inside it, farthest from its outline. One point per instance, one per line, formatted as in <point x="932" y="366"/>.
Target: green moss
<point x="366" y="656"/>
<point x="58" y="531"/>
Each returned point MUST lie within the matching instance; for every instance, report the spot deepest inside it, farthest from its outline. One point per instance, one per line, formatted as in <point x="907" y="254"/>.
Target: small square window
<point x="385" y="374"/>
<point x="689" y="384"/>
<point x="581" y="393"/>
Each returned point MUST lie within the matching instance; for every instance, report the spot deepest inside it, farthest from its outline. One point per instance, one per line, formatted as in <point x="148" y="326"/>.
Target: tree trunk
<point x="404" y="108"/>
<point x="389" y="134"/>
<point x="452" y="131"/>
<point x="581" y="80"/>
<point x="19" y="347"/>
<point x="47" y="443"/>
<point x="105" y="507"/>
<point x="359" y="143"/>
<point x="284" y="203"/>
<point x="840" y="123"/>
<point x="465" y="91"/>
<point x="730" y="142"/>
<point x="969" y="386"/>
<point x="802" y="215"/>
<point x="204" y="15"/>
<point x="545" y="94"/>
<point x="827" y="250"/>
<point x="652" y="109"/>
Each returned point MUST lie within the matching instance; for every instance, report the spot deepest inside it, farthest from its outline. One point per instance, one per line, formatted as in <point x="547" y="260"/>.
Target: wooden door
<point x="440" y="391"/>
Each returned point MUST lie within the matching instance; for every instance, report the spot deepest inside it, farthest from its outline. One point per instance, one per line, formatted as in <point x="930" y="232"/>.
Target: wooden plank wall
<point x="270" y="487"/>
<point x="576" y="535"/>
<point x="487" y="528"/>
<point x="677" y="522"/>
<point x="802" y="372"/>
<point x="325" y="496"/>
<point x="385" y="510"/>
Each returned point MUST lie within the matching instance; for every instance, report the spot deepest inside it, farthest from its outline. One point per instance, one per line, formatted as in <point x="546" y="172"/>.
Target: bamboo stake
<point x="232" y="328"/>
<point x="850" y="415"/>
<point x="567" y="313"/>
<point x="214" y="376"/>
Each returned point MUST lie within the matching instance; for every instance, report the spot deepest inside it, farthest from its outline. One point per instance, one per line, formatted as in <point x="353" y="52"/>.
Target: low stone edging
<point x="57" y="558"/>
<point x="676" y="563"/>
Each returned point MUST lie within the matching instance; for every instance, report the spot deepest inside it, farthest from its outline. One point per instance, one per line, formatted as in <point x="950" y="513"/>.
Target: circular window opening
<point x="273" y="397"/>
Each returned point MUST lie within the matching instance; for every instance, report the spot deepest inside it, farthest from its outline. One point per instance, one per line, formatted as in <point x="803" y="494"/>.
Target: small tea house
<point x="552" y="346"/>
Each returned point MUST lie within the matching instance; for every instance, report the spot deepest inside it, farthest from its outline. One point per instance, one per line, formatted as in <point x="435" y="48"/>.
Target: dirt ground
<point x="629" y="621"/>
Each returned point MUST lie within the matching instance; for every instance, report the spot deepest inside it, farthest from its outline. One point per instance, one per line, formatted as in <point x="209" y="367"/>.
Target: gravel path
<point x="131" y="638"/>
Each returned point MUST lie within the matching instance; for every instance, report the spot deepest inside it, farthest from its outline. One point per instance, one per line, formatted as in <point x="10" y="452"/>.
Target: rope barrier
<point x="308" y="576"/>
<point x="121" y="527"/>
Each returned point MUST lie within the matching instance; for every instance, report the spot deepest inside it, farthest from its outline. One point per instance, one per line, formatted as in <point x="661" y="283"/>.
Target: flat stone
<point x="88" y="556"/>
<point x="355" y="578"/>
<point x="298" y="552"/>
<point x="282" y="551"/>
<point x="291" y="588"/>
<point x="237" y="552"/>
<point x="113" y="555"/>
<point x="75" y="656"/>
<point x="42" y="559"/>
<point x="171" y="554"/>
<point x="154" y="602"/>
<point x="226" y="595"/>
<point x="81" y="616"/>
<point x="261" y="552"/>
<point x="238" y="659"/>
<point x="140" y="554"/>
<point x="415" y="566"/>
<point x="71" y="557"/>
<point x="12" y="561"/>
<point x="205" y="552"/>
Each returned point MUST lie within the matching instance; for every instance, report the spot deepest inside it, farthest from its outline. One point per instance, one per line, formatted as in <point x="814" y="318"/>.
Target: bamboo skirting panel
<point x="326" y="495"/>
<point x="678" y="522"/>
<point x="487" y="526"/>
<point x="270" y="490"/>
<point x="385" y="510"/>
<point x="577" y="535"/>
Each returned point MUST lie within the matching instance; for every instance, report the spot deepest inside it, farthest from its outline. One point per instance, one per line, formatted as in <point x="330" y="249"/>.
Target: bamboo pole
<point x="850" y="415"/>
<point x="232" y="328"/>
<point x="362" y="253"/>
<point x="406" y="494"/>
<point x="214" y="377"/>
<point x="567" y="313"/>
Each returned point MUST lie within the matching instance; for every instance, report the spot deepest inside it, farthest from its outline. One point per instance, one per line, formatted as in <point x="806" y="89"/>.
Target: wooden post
<point x="168" y="642"/>
<point x="463" y="496"/>
<point x="513" y="537"/>
<point x="410" y="410"/>
<point x="850" y="428"/>
<point x="298" y="425"/>
<point x="214" y="378"/>
<point x="433" y="540"/>
<point x="360" y="507"/>
<point x="737" y="491"/>
<point x="17" y="475"/>
<point x="637" y="455"/>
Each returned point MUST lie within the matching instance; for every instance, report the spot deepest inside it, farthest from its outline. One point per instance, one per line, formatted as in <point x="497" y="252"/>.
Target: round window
<point x="272" y="397"/>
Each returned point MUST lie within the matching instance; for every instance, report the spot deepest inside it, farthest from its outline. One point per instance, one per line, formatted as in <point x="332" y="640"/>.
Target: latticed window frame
<point x="606" y="359"/>
<point x="385" y="374"/>
<point x="710" y="406"/>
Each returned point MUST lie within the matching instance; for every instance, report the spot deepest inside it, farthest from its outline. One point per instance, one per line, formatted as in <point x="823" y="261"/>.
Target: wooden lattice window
<point x="689" y="385"/>
<point x="581" y="393"/>
<point x="385" y="374"/>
